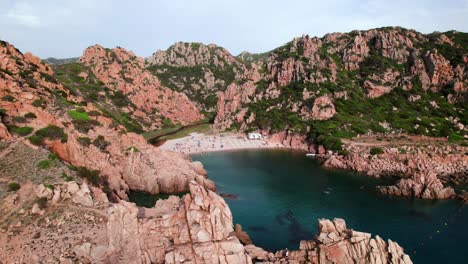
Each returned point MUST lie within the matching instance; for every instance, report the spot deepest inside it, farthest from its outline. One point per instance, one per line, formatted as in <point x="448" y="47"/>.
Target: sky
<point x="64" y="28"/>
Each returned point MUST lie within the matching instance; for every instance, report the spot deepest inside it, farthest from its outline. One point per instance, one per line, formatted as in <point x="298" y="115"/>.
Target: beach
<point x="200" y="143"/>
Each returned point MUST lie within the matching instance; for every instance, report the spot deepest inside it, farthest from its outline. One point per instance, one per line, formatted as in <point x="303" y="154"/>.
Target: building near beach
<point x="254" y="136"/>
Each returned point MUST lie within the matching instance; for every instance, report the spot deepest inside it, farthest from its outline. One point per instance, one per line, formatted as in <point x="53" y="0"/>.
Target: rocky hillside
<point x="338" y="86"/>
<point x="39" y="111"/>
<point x="198" y="70"/>
<point x="345" y="84"/>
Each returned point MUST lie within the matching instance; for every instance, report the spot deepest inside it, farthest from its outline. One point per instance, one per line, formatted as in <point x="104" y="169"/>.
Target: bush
<point x="44" y="164"/>
<point x="8" y="98"/>
<point x="30" y="116"/>
<point x="66" y="177"/>
<point x="82" y="125"/>
<point x="101" y="143"/>
<point x="13" y="186"/>
<point x="22" y="131"/>
<point x="91" y="175"/>
<point x="84" y="141"/>
<point x="49" y="186"/>
<point x="330" y="142"/>
<point x="19" y="119"/>
<point x="455" y="137"/>
<point x="35" y="140"/>
<point x="50" y="132"/>
<point x="376" y="151"/>
<point x="39" y="103"/>
<point x="42" y="202"/>
<point x="78" y="115"/>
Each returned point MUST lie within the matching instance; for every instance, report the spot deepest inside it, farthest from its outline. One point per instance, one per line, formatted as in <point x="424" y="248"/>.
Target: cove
<point x="280" y="194"/>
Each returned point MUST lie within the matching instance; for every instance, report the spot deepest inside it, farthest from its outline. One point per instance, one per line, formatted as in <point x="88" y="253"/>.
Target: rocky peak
<point x="121" y="70"/>
<point x="189" y="54"/>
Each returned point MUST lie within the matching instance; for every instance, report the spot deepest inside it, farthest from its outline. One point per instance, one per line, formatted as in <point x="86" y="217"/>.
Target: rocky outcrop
<point x="121" y="70"/>
<point x="197" y="228"/>
<point x="124" y="160"/>
<point x="422" y="185"/>
<point x="289" y="139"/>
<point x="335" y="243"/>
<point x="423" y="168"/>
<point x="230" y="103"/>
<point x="375" y="90"/>
<point x="323" y="108"/>
<point x="185" y="54"/>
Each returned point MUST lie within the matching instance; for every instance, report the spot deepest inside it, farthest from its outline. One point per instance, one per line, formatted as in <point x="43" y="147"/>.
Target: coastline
<point x="199" y="143"/>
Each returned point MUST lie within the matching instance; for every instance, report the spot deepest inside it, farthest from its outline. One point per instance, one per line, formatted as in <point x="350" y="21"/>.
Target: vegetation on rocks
<point x="50" y="132"/>
<point x="13" y="186"/>
<point x="92" y="176"/>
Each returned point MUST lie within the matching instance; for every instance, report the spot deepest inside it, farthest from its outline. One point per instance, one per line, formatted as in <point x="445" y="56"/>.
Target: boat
<point x="311" y="155"/>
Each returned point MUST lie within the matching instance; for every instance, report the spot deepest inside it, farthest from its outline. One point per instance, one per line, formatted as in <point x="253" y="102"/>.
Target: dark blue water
<point x="281" y="194"/>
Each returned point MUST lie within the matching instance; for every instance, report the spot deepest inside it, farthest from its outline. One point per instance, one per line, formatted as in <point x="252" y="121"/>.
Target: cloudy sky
<point x="64" y="28"/>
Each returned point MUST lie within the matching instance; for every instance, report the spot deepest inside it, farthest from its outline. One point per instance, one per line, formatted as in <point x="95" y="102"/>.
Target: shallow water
<point x="281" y="194"/>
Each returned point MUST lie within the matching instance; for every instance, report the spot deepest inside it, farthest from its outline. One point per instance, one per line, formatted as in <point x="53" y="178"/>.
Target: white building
<point x="255" y="136"/>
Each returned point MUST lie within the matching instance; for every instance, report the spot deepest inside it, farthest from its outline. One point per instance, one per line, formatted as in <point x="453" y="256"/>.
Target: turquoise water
<point x="281" y="194"/>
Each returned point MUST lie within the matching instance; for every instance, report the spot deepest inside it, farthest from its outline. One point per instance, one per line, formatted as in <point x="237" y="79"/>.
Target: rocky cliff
<point x="393" y="77"/>
<point x="423" y="164"/>
<point x="122" y="71"/>
<point x="198" y="70"/>
<point x="197" y="228"/>
<point x="40" y="111"/>
<point x="385" y="80"/>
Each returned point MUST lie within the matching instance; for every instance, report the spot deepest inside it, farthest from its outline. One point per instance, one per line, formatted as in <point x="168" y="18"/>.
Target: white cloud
<point x="64" y="28"/>
<point x="22" y="14"/>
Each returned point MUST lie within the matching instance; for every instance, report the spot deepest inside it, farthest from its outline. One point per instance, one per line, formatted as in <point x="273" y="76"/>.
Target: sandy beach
<point x="199" y="143"/>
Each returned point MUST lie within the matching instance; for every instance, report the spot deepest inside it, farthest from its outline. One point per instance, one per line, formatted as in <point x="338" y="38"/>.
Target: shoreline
<point x="199" y="143"/>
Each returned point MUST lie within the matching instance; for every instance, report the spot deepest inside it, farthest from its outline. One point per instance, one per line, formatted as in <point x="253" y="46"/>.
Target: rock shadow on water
<point x="420" y="215"/>
<point x="258" y="229"/>
<point x="296" y="232"/>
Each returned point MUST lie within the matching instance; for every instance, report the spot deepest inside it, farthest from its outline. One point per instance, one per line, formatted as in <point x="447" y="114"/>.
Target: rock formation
<point x="125" y="160"/>
<point x="336" y="244"/>
<point x="197" y="228"/>
<point x="422" y="168"/>
<point x="121" y="70"/>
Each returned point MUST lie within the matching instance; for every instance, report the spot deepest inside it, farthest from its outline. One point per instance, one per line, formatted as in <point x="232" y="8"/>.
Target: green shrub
<point x="82" y="125"/>
<point x="49" y="186"/>
<point x="35" y="140"/>
<point x="2" y="112"/>
<point x="101" y="143"/>
<point x="376" y="151"/>
<point x="22" y="131"/>
<point x="50" y="132"/>
<point x="8" y="98"/>
<point x="39" y="103"/>
<point x="455" y="137"/>
<point x="44" y="164"/>
<point x="13" y="186"/>
<point x="41" y="202"/>
<point x="344" y="152"/>
<point x="19" y="119"/>
<point x="91" y="175"/>
<point x="78" y="115"/>
<point x="330" y="142"/>
<point x="84" y="141"/>
<point x="66" y="177"/>
<point x="52" y="156"/>
<point x="30" y="116"/>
